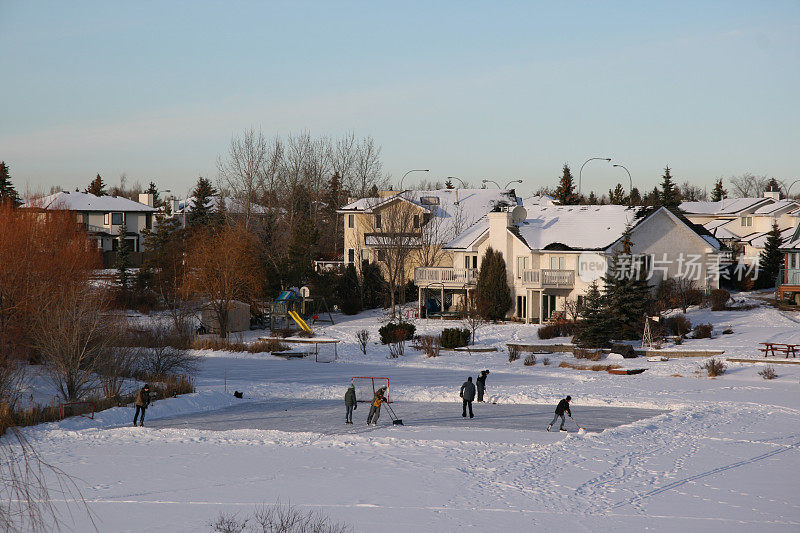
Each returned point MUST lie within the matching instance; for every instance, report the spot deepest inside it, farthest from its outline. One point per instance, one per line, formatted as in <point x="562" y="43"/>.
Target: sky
<point x="495" y="90"/>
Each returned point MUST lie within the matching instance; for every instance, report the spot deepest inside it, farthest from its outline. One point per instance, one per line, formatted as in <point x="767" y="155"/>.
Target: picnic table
<point x="771" y="347"/>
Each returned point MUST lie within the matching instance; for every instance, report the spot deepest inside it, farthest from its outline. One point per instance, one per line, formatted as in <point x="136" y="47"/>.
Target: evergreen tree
<point x="97" y="187"/>
<point x="373" y="192"/>
<point x="625" y="291"/>
<point x="449" y="184"/>
<point x="493" y="293"/>
<point x="7" y="191"/>
<point x="565" y="193"/>
<point x="669" y="195"/>
<point x="653" y="197"/>
<point x="593" y="329"/>
<point x="122" y="261"/>
<point x="152" y="189"/>
<point x="201" y="212"/>
<point x="718" y="193"/>
<point x="592" y="200"/>
<point x="773" y="185"/>
<point x="771" y="259"/>
<point x="373" y="286"/>
<point x="636" y="197"/>
<point x="617" y="195"/>
<point x="303" y="245"/>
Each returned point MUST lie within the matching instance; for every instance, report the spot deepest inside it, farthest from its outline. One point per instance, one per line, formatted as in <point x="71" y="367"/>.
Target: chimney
<point x="499" y="221"/>
<point x="147" y="199"/>
<point x="775" y="195"/>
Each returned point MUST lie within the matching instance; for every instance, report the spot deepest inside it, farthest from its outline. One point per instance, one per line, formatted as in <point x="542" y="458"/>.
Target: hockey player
<point x="350" y="403"/>
<point x="481" y="384"/>
<point x="467" y="395"/>
<point x="561" y="408"/>
<point x="375" y="408"/>
<point x="142" y="402"/>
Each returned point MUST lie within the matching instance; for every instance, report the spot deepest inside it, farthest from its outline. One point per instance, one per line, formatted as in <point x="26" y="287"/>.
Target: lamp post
<point x="790" y="188"/>
<point x="580" y="173"/>
<point x="409" y="172"/>
<point x="462" y="183"/>
<point x="630" y="180"/>
<point x="491" y="181"/>
<point x="512" y="181"/>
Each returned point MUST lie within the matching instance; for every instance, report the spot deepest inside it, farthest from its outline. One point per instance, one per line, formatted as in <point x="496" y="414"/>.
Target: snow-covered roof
<point x="717" y="229"/>
<point x="539" y="200"/>
<point x="470" y="235"/>
<point x="589" y="227"/>
<point x="774" y="208"/>
<point x="758" y="240"/>
<point x="83" y="201"/>
<point x="729" y="206"/>
<point x="232" y="205"/>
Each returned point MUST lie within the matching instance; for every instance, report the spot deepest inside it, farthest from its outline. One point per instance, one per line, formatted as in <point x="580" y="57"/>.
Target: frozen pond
<point x="327" y="417"/>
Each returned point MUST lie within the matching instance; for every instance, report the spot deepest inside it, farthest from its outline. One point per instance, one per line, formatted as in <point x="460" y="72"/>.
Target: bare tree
<point x="748" y="185"/>
<point x="160" y="351"/>
<point x="368" y="167"/>
<point x="472" y="317"/>
<point x="244" y="170"/>
<point x="692" y="193"/>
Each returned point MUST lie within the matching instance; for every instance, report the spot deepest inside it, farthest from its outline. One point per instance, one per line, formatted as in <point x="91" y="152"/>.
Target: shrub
<point x="269" y="345"/>
<point x="513" y="353"/>
<point x="593" y="368"/>
<point x="430" y="344"/>
<point x="455" y="337"/>
<point x="702" y="331"/>
<point x="546" y="361"/>
<point x="714" y="367"/>
<point x="278" y="518"/>
<point x="625" y="350"/>
<point x="351" y="306"/>
<point x="363" y="338"/>
<point x="727" y="331"/>
<point x="564" y="328"/>
<point x="530" y="360"/>
<point x="678" y="325"/>
<point x="768" y="373"/>
<point x="718" y="299"/>
<point x="678" y="340"/>
<point x="585" y="353"/>
<point x="387" y="332"/>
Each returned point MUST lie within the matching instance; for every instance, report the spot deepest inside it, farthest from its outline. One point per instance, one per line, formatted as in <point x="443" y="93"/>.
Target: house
<point x="103" y="217"/>
<point x="788" y="287"/>
<point x="554" y="253"/>
<point x="233" y="207"/>
<point x="743" y="223"/>
<point x="419" y="222"/>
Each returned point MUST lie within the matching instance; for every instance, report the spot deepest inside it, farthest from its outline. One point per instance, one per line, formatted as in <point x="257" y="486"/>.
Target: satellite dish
<point x="518" y="215"/>
<point x="305" y="292"/>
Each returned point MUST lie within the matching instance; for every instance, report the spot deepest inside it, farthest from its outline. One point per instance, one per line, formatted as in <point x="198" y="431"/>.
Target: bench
<point x="770" y="348"/>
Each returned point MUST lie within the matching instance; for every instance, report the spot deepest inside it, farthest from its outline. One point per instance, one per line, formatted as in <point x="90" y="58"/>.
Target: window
<point x="148" y="220"/>
<point x="378" y="222"/>
<point x="351" y="221"/>
<point x="558" y="262"/>
<point x="382" y="256"/>
<point x="416" y="221"/>
<point x="116" y="219"/>
<point x="747" y="221"/>
<point x="351" y="255"/>
<point x="470" y="261"/>
<point x="522" y="264"/>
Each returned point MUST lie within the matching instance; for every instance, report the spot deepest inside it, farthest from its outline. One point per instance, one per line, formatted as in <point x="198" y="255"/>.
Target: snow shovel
<point x="580" y="429"/>
<point x="396" y="421"/>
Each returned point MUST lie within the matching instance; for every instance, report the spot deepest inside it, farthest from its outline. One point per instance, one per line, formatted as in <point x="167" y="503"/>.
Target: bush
<point x="714" y="367"/>
<point x="678" y="325"/>
<point x="363" y="338"/>
<point x="430" y="344"/>
<point x="530" y="360"/>
<point x="557" y="329"/>
<point x="513" y="353"/>
<point x="455" y="337"/>
<point x="585" y="353"/>
<point x="718" y="299"/>
<point x="546" y="361"/>
<point x="702" y="331"/>
<point x="351" y="306"/>
<point x="625" y="350"/>
<point x="727" y="331"/>
<point x="405" y="332"/>
<point x="768" y="373"/>
<point x="278" y="518"/>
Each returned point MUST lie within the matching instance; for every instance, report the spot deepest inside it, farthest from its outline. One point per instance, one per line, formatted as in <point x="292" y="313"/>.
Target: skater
<point x="481" y="384"/>
<point x="561" y="408"/>
<point x="350" y="403"/>
<point x="375" y="408"/>
<point x="142" y="401"/>
<point x="467" y="395"/>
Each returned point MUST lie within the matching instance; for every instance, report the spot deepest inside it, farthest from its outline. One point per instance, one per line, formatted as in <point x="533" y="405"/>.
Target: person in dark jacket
<point x="375" y="408"/>
<point x="467" y="395"/>
<point x="561" y="408"/>
<point x="142" y="401"/>
<point x="481" y="384"/>
<point x="350" y="404"/>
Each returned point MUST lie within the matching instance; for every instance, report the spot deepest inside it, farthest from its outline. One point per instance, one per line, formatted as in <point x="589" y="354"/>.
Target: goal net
<point x="366" y="386"/>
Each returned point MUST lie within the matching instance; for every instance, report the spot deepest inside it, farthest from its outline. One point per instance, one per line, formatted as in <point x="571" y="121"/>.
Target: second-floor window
<point x="381" y="256"/>
<point x="416" y="221"/>
<point x="522" y="264"/>
<point x="470" y="261"/>
<point x="351" y="221"/>
<point x="747" y="221"/>
<point x="114" y="219"/>
<point x="558" y="262"/>
<point x="378" y="222"/>
<point x="351" y="255"/>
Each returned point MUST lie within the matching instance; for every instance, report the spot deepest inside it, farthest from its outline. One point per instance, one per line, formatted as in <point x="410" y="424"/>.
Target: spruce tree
<point x="152" y="189"/>
<point x="773" y="185"/>
<point x="771" y="259"/>
<point x="617" y="195"/>
<point x="200" y="213"/>
<point x="593" y="328"/>
<point x="636" y="197"/>
<point x="625" y="291"/>
<point x="122" y="260"/>
<point x="592" y="200"/>
<point x="97" y="187"/>
<point x="493" y="294"/>
<point x="565" y="193"/>
<point x="449" y="184"/>
<point x="718" y="193"/>
<point x="7" y="191"/>
<point x="669" y="195"/>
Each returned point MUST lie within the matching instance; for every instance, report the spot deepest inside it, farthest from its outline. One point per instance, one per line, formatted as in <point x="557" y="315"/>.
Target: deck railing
<point x="549" y="278"/>
<point x="445" y="276"/>
<point x="789" y="276"/>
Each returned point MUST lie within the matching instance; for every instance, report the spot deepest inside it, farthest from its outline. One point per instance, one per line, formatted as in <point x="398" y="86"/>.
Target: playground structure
<point x="295" y="306"/>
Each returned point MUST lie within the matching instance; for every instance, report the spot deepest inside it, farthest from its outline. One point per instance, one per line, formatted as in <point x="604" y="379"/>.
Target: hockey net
<point x="366" y="386"/>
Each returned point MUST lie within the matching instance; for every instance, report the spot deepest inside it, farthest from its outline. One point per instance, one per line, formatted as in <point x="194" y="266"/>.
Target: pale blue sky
<point x="500" y="90"/>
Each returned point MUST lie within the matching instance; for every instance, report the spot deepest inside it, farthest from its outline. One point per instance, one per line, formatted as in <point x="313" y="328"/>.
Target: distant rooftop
<point x="82" y="201"/>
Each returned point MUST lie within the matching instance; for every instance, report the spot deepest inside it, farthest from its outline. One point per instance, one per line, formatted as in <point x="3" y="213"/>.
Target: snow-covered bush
<point x="678" y="325"/>
<point x="530" y="360"/>
<point x="455" y="337"/>
<point x="702" y="331"/>
<point x="429" y="344"/>
<point x="768" y="372"/>
<point x="718" y="299"/>
<point x="714" y="367"/>
<point x="513" y="353"/>
<point x="278" y="518"/>
<point x="394" y="331"/>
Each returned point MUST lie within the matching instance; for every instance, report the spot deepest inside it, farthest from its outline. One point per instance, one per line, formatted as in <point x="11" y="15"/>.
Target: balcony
<point x="789" y="276"/>
<point x="549" y="279"/>
<point x="447" y="277"/>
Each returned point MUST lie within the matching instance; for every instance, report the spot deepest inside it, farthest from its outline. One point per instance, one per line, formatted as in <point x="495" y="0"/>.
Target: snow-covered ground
<point x="712" y="454"/>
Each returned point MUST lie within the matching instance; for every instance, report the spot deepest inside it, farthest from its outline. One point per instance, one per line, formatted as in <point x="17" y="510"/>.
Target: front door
<point x="548" y="306"/>
<point x="522" y="307"/>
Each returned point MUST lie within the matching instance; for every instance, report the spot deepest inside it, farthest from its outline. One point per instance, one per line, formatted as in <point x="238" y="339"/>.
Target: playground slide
<point x="300" y="322"/>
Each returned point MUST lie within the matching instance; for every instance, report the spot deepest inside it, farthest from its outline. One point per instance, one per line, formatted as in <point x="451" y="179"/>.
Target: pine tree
<point x="493" y="293"/>
<point x="7" y="191"/>
<point x="449" y="184"/>
<point x="565" y="193"/>
<point x="617" y="195"/>
<point x="625" y="291"/>
<point x="97" y="187"/>
<point x="653" y="197"/>
<point x="592" y="200"/>
<point x="593" y="329"/>
<point x="770" y="259"/>
<point x="152" y="189"/>
<point x="718" y="193"/>
<point x="636" y="197"/>
<point x="669" y="195"/>
<point x="773" y="185"/>
<point x="122" y="260"/>
<point x="201" y="212"/>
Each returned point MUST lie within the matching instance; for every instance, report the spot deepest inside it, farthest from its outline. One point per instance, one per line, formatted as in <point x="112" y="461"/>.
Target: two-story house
<point x="554" y="253"/>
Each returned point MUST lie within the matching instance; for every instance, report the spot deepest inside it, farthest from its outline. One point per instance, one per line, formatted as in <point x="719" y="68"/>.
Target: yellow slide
<point x="300" y="322"/>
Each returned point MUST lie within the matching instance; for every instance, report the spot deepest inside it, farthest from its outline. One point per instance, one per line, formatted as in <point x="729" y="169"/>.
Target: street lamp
<point x="630" y="180"/>
<point x="462" y="183"/>
<point x="512" y="181"/>
<point x="409" y="172"/>
<point x="580" y="173"/>
<point x="790" y="188"/>
<point x="491" y="181"/>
